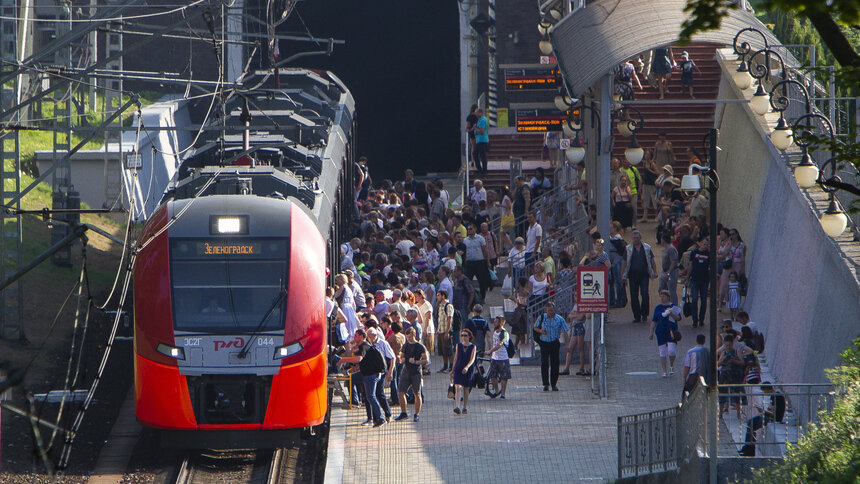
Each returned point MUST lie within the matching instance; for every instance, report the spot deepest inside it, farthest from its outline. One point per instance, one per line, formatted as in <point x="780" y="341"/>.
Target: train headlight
<point x="228" y="224"/>
<point x="288" y="350"/>
<point x="171" y="351"/>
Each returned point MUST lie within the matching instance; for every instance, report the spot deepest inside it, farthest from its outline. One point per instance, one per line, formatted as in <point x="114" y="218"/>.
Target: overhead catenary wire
<point x="101" y="20"/>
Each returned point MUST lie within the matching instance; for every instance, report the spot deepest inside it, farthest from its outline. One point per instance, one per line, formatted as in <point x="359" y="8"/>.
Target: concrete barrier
<point x="803" y="289"/>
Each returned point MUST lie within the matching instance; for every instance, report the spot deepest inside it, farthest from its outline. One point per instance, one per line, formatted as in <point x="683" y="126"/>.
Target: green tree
<point x="829" y="452"/>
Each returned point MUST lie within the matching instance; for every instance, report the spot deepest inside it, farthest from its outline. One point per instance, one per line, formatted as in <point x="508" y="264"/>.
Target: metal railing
<point x="648" y="443"/>
<point x="759" y="428"/>
<point x="663" y="440"/>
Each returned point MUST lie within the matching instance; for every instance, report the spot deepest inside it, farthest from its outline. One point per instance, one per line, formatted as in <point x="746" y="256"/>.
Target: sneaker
<point x="388" y="418"/>
<point x="555" y="389"/>
<point x="465" y="411"/>
<point x="415" y="418"/>
<point x="502" y="397"/>
<point x="665" y="375"/>
<point x="457" y="410"/>
<point x="546" y="389"/>
<point x="671" y="371"/>
<point x="402" y="416"/>
<point x="380" y="423"/>
<point x="366" y="423"/>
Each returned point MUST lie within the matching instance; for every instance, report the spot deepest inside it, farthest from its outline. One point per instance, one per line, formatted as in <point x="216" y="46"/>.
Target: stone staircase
<point x="684" y="124"/>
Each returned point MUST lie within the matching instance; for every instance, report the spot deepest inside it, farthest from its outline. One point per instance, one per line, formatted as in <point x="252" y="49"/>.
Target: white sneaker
<point x="665" y="375"/>
<point x="671" y="371"/>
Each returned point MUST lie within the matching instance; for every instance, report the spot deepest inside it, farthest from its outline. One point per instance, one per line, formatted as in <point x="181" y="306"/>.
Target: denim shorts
<point x="579" y="328"/>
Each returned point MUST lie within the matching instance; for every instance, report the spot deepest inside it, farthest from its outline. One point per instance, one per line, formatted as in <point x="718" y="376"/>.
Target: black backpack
<point x="509" y="346"/>
<point x="620" y="247"/>
<point x="373" y="362"/>
<point x="456" y="321"/>
<point x="777" y="401"/>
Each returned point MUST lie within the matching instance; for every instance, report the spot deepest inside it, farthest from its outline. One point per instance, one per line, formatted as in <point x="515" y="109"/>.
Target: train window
<point x="228" y="285"/>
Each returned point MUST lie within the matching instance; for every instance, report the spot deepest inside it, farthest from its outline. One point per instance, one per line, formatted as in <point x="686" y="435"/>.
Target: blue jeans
<point x="616" y="288"/>
<point x="699" y="290"/>
<point x="371" y="403"/>
<point x="398" y="368"/>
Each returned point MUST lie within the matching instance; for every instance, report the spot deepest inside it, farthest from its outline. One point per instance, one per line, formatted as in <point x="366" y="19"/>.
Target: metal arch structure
<point x="591" y="41"/>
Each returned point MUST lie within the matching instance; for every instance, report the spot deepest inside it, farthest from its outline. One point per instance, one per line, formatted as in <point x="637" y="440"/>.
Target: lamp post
<point x="691" y="182"/>
<point x="634" y="153"/>
<point x="833" y="220"/>
<point x="742" y="77"/>
<point x="572" y="128"/>
<point x="782" y="136"/>
<point x="760" y="72"/>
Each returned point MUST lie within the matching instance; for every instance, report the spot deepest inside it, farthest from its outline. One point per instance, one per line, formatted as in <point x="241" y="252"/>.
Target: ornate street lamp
<point x="782" y="136"/>
<point x="634" y="153"/>
<point x="742" y="77"/>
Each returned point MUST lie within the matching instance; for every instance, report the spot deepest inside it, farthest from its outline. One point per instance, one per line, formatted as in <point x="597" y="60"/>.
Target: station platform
<point x="531" y="436"/>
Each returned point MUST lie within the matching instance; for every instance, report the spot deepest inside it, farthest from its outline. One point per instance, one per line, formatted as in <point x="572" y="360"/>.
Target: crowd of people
<point x="411" y="287"/>
<point x="413" y="283"/>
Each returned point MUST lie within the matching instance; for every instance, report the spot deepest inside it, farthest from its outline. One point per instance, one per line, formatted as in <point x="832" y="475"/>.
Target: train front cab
<point x="279" y="387"/>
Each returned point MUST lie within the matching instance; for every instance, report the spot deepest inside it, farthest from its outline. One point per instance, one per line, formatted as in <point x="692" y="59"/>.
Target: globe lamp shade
<point x="782" y="138"/>
<point x="742" y="77"/>
<point x="545" y="47"/>
<point x="760" y="102"/>
<point x="834" y="221"/>
<point x="575" y="154"/>
<point x="806" y="173"/>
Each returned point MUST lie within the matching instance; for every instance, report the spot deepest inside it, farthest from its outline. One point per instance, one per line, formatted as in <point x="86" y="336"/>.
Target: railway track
<point x="289" y="465"/>
<point x="237" y="466"/>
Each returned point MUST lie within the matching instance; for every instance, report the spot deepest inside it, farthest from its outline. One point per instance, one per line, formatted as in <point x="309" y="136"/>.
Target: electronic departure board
<point x="539" y="78"/>
<point x="537" y="120"/>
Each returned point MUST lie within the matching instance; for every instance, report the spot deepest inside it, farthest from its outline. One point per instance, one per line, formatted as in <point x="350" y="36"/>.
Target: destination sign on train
<point x="530" y="79"/>
<point x="539" y="120"/>
<point x="207" y="248"/>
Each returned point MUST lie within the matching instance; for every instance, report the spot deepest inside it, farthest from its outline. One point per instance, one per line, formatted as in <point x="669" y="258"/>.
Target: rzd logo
<point x="239" y="342"/>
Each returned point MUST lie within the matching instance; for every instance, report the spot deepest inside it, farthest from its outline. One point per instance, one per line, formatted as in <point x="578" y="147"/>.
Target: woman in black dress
<point x="464" y="368"/>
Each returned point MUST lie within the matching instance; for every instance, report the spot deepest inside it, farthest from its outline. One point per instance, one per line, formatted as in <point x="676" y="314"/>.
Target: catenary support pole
<point x="713" y="417"/>
<point x="603" y="188"/>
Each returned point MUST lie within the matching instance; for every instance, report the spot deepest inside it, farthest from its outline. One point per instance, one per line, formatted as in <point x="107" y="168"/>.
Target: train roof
<point x="299" y="137"/>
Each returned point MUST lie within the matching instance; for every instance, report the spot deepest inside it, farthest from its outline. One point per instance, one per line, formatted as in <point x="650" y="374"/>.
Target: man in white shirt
<point x="533" y="238"/>
<point x="500" y="365"/>
<point x="477" y="193"/>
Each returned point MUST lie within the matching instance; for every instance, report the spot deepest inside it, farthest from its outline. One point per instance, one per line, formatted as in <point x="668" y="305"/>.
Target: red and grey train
<point x="230" y="335"/>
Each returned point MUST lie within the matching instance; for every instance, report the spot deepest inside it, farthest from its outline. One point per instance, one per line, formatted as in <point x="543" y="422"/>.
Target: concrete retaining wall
<point x="803" y="290"/>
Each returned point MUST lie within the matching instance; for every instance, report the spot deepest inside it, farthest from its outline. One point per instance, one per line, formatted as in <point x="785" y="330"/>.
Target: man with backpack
<point x="500" y="364"/>
<point x="371" y="365"/>
<point x="768" y="407"/>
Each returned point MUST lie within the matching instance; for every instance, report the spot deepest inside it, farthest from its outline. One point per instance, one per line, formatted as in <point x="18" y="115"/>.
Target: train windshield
<point x="228" y="285"/>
